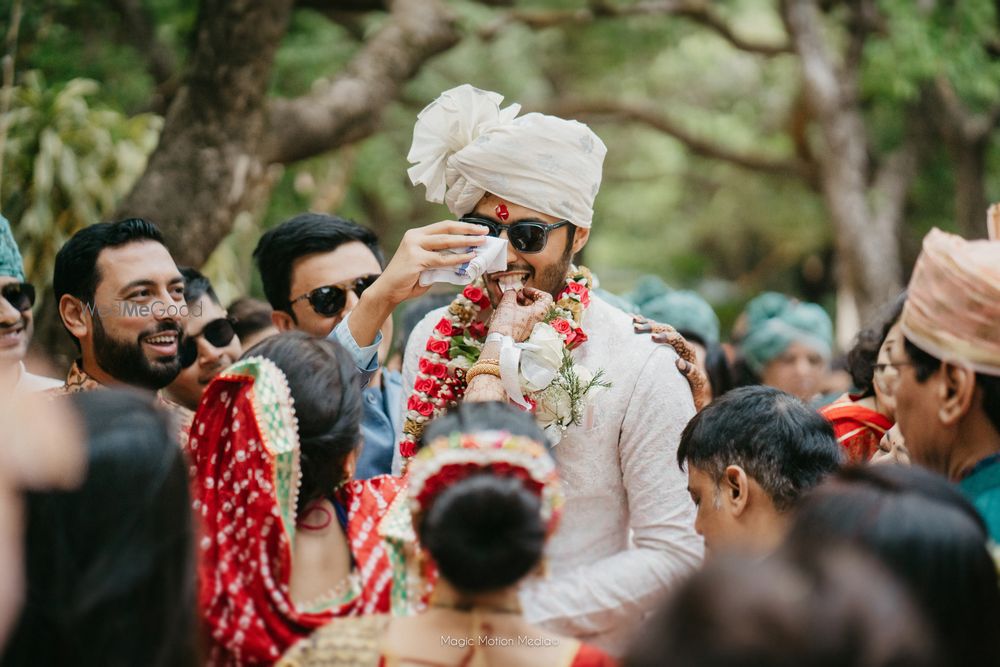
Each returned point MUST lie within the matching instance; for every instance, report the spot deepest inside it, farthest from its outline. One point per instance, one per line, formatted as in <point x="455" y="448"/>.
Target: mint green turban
<point x="11" y="264"/>
<point x="685" y="311"/>
<point x="763" y="307"/>
<point x="774" y="322"/>
<point x="646" y="289"/>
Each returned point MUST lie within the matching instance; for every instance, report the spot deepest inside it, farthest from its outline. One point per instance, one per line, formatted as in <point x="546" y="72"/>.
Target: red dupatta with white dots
<point x="244" y="450"/>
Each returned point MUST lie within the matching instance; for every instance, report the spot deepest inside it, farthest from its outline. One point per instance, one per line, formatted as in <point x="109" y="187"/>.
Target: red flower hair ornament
<point x="448" y="460"/>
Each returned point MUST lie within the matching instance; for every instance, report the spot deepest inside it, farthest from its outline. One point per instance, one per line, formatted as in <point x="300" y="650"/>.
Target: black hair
<point x="742" y="374"/>
<point x="925" y="365"/>
<point x="305" y="234"/>
<point x="110" y="566"/>
<point x="862" y="357"/>
<point x="822" y="609"/>
<point x="250" y="316"/>
<point x="324" y="385"/>
<point x="718" y="370"/>
<point x="928" y="534"/>
<point x="76" y="271"/>
<point x="779" y="441"/>
<point x="484" y="532"/>
<point x="196" y="285"/>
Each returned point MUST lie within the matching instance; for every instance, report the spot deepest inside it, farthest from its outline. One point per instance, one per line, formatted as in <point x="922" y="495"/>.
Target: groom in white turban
<point x="627" y="529"/>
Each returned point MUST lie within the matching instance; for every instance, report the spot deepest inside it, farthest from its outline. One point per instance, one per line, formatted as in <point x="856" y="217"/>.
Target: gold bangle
<point x="480" y="368"/>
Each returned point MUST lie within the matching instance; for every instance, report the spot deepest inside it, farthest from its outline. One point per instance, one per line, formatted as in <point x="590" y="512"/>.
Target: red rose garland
<point x="457" y="341"/>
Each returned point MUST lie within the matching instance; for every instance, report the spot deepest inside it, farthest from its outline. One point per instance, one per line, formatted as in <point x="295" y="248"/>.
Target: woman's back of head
<point x="485" y="531"/>
<point x="110" y="565"/>
<point x="832" y="609"/>
<point x="927" y="534"/>
<point x="325" y="389"/>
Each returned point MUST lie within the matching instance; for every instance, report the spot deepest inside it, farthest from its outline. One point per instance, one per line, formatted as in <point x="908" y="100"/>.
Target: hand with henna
<point x="519" y="311"/>
<point x="515" y="316"/>
<point x="665" y="334"/>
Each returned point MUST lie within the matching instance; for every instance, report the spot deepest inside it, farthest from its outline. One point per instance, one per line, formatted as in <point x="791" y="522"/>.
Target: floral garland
<point x="457" y="341"/>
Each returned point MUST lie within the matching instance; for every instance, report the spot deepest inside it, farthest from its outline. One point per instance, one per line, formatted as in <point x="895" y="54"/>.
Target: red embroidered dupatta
<point x="858" y="429"/>
<point x="244" y="451"/>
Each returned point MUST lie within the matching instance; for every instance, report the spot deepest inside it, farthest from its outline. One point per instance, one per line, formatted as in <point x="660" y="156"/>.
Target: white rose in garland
<point x="541" y="358"/>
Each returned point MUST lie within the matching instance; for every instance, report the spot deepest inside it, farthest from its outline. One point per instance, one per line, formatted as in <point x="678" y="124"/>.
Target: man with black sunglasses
<point x="324" y="275"/>
<point x="627" y="530"/>
<point x="210" y="343"/>
<point x="16" y="320"/>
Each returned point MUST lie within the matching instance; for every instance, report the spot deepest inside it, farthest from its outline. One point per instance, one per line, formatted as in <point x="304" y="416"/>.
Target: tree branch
<point x="347" y="6"/>
<point x="892" y="183"/>
<point x="350" y="106"/>
<point x="139" y="30"/>
<point x="818" y="71"/>
<point x="346" y="13"/>
<point x="863" y="19"/>
<point x="972" y="127"/>
<point x="698" y="11"/>
<point x="697" y="145"/>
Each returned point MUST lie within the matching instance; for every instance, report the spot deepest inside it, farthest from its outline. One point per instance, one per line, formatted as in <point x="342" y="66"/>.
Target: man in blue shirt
<point x="326" y="276"/>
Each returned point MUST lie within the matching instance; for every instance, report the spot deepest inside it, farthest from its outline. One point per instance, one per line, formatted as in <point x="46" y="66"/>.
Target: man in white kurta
<point x="627" y="529"/>
<point x="620" y="477"/>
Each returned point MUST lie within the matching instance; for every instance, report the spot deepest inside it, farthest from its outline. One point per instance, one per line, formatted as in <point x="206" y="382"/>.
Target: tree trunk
<point x="221" y="133"/>
<point x="967" y="137"/>
<point x="869" y="267"/>
<point x="206" y="169"/>
<point x="970" y="187"/>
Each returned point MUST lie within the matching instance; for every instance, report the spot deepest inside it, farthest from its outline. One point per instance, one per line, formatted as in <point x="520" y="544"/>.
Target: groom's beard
<point x="552" y="278"/>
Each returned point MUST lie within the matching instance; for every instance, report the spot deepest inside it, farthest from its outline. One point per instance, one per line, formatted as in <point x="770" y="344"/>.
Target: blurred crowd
<point x="526" y="470"/>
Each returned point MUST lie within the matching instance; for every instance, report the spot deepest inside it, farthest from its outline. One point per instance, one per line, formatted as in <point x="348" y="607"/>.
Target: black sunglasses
<point x="331" y="299"/>
<point x="527" y="236"/>
<point x="219" y="333"/>
<point x="19" y="295"/>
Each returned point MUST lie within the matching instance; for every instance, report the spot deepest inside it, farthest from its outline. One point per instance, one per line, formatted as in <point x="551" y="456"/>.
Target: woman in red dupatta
<point x="271" y="445"/>
<point x="861" y="420"/>
<point x="483" y="495"/>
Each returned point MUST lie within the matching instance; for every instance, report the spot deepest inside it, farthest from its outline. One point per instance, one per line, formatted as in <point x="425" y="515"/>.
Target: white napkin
<point x="490" y="258"/>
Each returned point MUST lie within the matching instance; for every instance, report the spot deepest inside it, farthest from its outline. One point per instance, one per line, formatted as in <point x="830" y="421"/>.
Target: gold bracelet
<point x="481" y="368"/>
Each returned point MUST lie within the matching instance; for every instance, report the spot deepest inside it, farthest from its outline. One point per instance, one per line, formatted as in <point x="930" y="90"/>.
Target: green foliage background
<point x="697" y="223"/>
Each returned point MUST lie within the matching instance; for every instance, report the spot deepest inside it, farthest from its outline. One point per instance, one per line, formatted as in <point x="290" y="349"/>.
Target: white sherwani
<point x="627" y="531"/>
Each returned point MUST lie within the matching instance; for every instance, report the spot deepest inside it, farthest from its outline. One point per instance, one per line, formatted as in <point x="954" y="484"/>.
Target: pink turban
<point x="952" y="308"/>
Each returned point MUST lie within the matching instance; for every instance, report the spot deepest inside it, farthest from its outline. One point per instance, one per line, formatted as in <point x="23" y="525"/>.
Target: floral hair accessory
<point x="450" y="459"/>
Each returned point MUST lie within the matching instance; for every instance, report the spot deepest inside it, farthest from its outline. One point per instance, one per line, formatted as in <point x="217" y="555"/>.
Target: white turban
<point x="465" y="145"/>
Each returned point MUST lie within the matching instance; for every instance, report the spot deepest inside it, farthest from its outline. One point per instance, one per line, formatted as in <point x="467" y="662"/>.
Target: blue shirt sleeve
<point x="365" y="358"/>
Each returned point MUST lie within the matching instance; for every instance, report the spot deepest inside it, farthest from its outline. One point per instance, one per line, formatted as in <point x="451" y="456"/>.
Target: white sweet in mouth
<point x="508" y="283"/>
